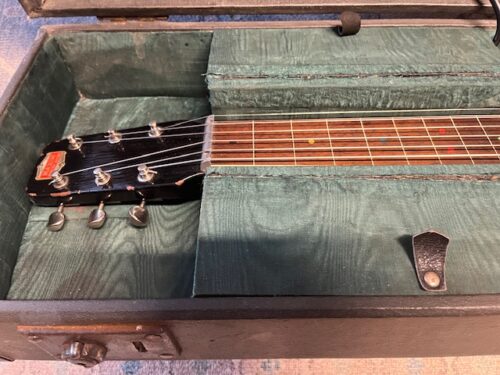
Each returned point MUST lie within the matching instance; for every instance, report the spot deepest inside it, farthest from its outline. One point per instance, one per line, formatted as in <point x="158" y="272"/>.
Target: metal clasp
<point x="429" y="252"/>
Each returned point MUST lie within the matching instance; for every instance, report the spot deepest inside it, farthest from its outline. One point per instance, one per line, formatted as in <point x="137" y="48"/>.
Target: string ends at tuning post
<point x="102" y="178"/>
<point x="154" y="130"/>
<point x="59" y="181"/>
<point x="114" y="137"/>
<point x="74" y="143"/>
<point x="146" y="174"/>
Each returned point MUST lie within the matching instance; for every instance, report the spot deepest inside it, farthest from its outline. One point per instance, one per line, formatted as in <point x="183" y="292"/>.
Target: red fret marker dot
<point x="451" y="150"/>
<point x="442" y="131"/>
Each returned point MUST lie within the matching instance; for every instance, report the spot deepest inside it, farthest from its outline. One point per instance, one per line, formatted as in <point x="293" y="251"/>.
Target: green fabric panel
<point x="129" y="64"/>
<point x="279" y="232"/>
<point x="99" y="115"/>
<point x="117" y="261"/>
<point x="36" y="115"/>
<point x="379" y="68"/>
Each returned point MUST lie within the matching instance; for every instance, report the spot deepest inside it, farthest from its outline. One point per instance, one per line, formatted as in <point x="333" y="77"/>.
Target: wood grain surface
<point x="357" y="141"/>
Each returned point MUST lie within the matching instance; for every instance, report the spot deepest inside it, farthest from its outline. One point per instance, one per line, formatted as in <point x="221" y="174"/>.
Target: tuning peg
<point x="101" y="178"/>
<point x="97" y="217"/>
<point x="56" y="219"/>
<point x="138" y="216"/>
<point x="74" y="143"/>
<point x="154" y="130"/>
<point x="114" y="137"/>
<point x="146" y="174"/>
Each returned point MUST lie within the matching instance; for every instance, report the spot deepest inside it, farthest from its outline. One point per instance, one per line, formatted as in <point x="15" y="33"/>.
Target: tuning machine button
<point x="146" y="174"/>
<point x="138" y="216"/>
<point x="97" y="217"/>
<point x="59" y="181"/>
<point x="57" y="219"/>
<point x="102" y="178"/>
<point x="74" y="143"/>
<point x="114" y="137"/>
<point x="154" y="130"/>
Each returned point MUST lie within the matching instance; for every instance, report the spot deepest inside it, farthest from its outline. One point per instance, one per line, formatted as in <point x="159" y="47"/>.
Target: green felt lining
<point x="36" y="115"/>
<point x="161" y="80"/>
<point x="118" y="261"/>
<point x="131" y="64"/>
<point x="380" y="68"/>
<point x="343" y="231"/>
<point x="83" y="82"/>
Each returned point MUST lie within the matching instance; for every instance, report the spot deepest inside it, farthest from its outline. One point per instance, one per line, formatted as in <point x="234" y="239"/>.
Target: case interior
<point x="83" y="82"/>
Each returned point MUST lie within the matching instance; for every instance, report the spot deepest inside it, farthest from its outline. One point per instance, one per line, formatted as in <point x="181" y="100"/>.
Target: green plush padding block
<point x="131" y="64"/>
<point x="344" y="231"/>
<point x="36" y="115"/>
<point x="379" y="68"/>
<point x="117" y="261"/>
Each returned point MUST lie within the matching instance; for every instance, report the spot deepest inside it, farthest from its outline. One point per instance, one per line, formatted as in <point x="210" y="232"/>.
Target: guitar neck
<point x="437" y="140"/>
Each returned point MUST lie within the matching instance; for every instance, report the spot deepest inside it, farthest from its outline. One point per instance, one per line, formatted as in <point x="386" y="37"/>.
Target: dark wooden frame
<point x="158" y="8"/>
<point x="271" y="327"/>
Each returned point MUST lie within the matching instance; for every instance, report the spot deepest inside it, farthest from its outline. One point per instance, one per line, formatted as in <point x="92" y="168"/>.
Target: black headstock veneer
<point x="168" y="156"/>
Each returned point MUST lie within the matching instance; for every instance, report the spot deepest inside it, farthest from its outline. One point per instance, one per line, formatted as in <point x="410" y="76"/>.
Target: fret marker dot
<point x="442" y="131"/>
<point x="383" y="140"/>
<point x="312" y="141"/>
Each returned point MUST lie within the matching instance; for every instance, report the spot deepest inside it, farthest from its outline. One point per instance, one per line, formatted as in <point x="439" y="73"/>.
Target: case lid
<point x="447" y="9"/>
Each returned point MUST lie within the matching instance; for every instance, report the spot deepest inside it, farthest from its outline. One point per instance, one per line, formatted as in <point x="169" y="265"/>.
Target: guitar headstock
<point x="156" y="163"/>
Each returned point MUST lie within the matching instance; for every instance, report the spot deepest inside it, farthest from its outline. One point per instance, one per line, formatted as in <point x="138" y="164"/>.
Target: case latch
<point x="429" y="252"/>
<point x="89" y="345"/>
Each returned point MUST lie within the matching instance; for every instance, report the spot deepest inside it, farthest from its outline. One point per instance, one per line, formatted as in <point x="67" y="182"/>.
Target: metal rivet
<point x="166" y="355"/>
<point x="432" y="279"/>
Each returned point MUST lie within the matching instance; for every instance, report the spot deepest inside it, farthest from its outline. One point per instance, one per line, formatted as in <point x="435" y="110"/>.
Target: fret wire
<point x="487" y="137"/>
<point x="401" y="142"/>
<point x="330" y="140"/>
<point x="293" y="142"/>
<point x="366" y="140"/>
<point x="430" y="138"/>
<point x="253" y="140"/>
<point x="466" y="149"/>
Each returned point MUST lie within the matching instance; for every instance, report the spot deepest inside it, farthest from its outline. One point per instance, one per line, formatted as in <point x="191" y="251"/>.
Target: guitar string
<point x="437" y="155"/>
<point x="132" y="158"/>
<point x="313" y="130"/>
<point x="279" y="139"/>
<point x="308" y="158"/>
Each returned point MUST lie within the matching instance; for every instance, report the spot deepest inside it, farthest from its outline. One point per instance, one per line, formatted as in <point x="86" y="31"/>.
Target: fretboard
<point x="367" y="141"/>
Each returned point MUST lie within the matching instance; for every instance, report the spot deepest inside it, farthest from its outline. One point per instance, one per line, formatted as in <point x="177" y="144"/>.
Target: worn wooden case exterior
<point x="271" y="327"/>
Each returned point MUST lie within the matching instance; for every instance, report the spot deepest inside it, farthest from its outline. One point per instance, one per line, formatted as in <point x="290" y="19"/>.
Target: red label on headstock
<point x="52" y="162"/>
